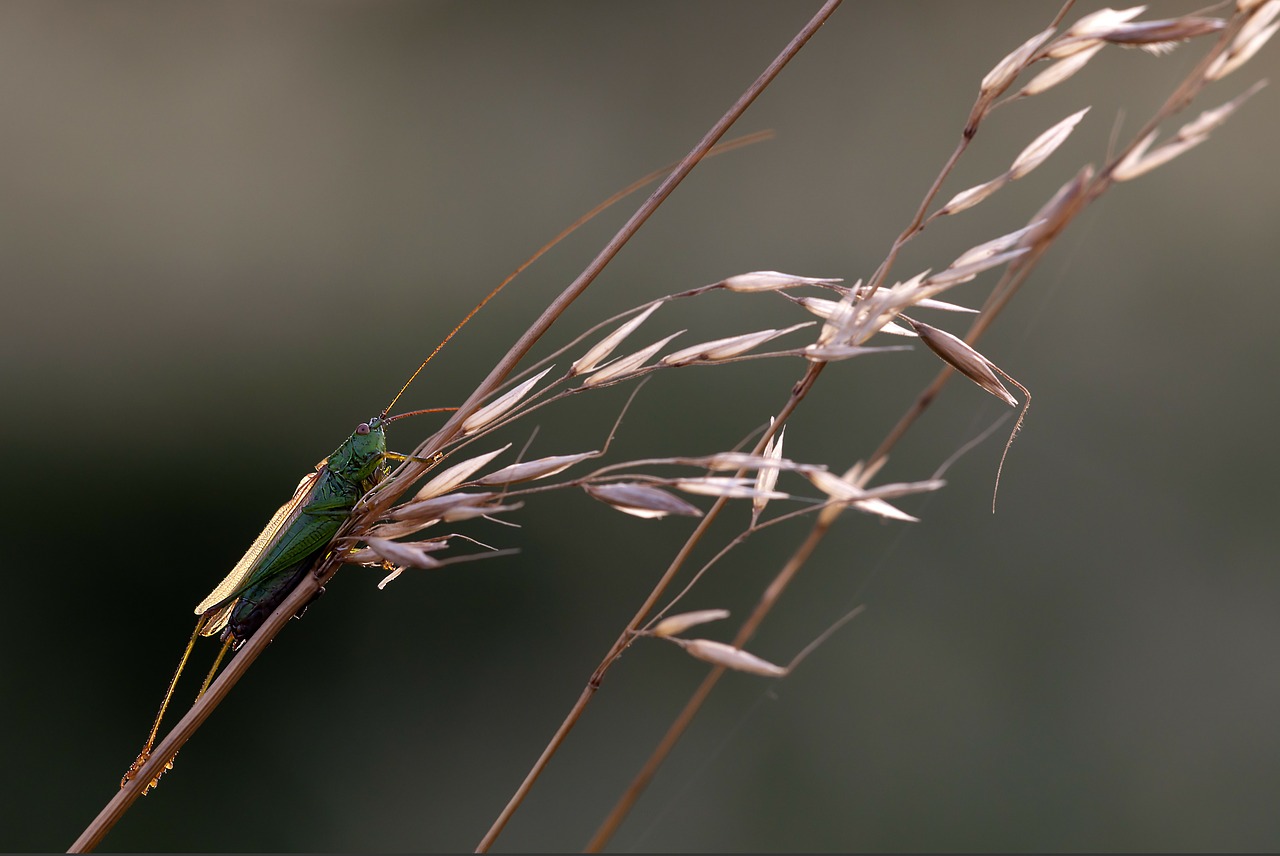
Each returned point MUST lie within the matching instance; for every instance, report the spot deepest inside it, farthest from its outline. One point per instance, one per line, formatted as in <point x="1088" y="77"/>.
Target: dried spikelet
<point x="968" y="198"/>
<point x="469" y="512"/>
<point x="414" y="554"/>
<point x="1161" y="35"/>
<point x="880" y="508"/>
<point x="983" y="251"/>
<point x="436" y="507"/>
<point x="1044" y="145"/>
<point x="965" y="272"/>
<point x="721" y="654"/>
<point x="626" y="365"/>
<point x="673" y="625"/>
<point x="740" y="461"/>
<point x="1101" y="21"/>
<point x="771" y="280"/>
<point x="1060" y="70"/>
<point x="943" y="306"/>
<point x="893" y="490"/>
<point x="871" y="501"/>
<point x="962" y="356"/>
<point x="500" y="406"/>
<point x="730" y="488"/>
<point x="1255" y="33"/>
<point x="400" y="529"/>
<point x="847" y="490"/>
<point x="723" y="349"/>
<point x="1211" y="119"/>
<point x="1140" y="161"/>
<point x="998" y="79"/>
<point x="1031" y="157"/>
<point x="606" y="346"/>
<point x="893" y="328"/>
<point x="767" y="477"/>
<point x="1061" y="207"/>
<point x="537" y="469"/>
<point x="641" y="500"/>
<point x="823" y="307"/>
<point x="456" y="475"/>
<point x="452" y="560"/>
<point x="835" y="353"/>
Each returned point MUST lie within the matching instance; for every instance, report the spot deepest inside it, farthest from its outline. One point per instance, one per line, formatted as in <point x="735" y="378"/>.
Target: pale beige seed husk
<point x="823" y="307"/>
<point x="1233" y="59"/>
<point x="721" y="654"/>
<point x="1211" y="119"/>
<point x="965" y="359"/>
<point x="1044" y="145"/>
<point x="433" y="508"/>
<point x="739" y="461"/>
<point x="402" y="529"/>
<point x="536" y="469"/>
<point x="1057" y="212"/>
<point x="1140" y="161"/>
<point x="457" y="474"/>
<point x="835" y="353"/>
<point x="1257" y="22"/>
<point x="772" y="280"/>
<point x="500" y="406"/>
<point x="1061" y="70"/>
<point x="1103" y="21"/>
<point x="834" y="486"/>
<point x="470" y="512"/>
<point x="767" y="477"/>
<point x="999" y="78"/>
<point x="968" y="198"/>
<point x="641" y="500"/>
<point x="730" y="488"/>
<point x="674" y="625"/>
<point x="963" y="273"/>
<point x="943" y="306"/>
<point x="987" y="250"/>
<point x="726" y="348"/>
<point x="626" y="365"/>
<point x="415" y="554"/>
<point x="389" y="577"/>
<point x="1162" y="36"/>
<point x="880" y="508"/>
<point x="606" y="346"/>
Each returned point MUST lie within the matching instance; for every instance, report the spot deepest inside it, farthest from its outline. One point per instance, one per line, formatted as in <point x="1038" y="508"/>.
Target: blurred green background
<point x="229" y="232"/>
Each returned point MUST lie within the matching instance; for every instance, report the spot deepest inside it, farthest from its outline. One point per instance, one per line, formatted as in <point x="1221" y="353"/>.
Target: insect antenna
<point x="739" y="142"/>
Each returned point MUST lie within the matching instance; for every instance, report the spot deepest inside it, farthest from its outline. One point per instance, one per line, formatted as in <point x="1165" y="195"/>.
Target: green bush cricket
<point x="298" y="534"/>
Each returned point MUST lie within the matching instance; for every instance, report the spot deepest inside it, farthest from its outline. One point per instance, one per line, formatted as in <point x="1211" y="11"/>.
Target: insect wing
<point x="234" y="581"/>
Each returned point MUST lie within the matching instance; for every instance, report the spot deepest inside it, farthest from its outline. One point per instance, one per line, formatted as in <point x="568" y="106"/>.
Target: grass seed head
<point x="674" y="625"/>
<point x="606" y="346"/>
<point x="641" y="500"/>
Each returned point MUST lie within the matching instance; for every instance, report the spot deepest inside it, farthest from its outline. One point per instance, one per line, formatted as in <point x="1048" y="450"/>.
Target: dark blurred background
<point x="230" y="230"/>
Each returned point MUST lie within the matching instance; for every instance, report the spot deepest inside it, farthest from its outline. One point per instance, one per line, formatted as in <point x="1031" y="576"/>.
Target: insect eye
<point x="362" y="428"/>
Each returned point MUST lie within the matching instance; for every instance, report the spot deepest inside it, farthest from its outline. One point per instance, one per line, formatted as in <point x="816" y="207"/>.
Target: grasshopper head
<point x="366" y="444"/>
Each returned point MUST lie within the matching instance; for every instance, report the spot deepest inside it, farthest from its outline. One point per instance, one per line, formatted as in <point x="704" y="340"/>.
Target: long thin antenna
<point x="758" y="136"/>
